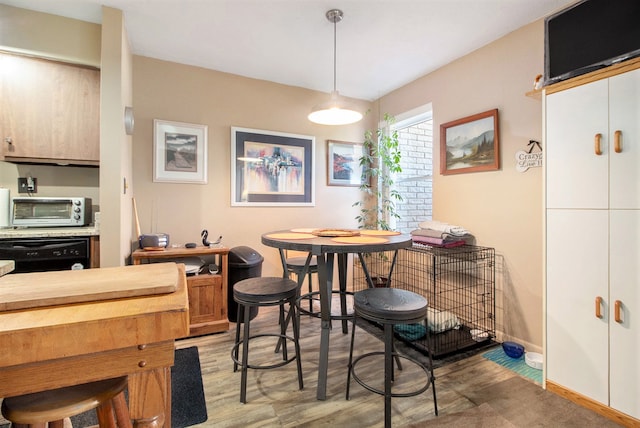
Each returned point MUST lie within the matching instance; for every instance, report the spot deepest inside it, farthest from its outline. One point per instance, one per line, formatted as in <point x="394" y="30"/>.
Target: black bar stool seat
<point x="390" y="306"/>
<point x="265" y="291"/>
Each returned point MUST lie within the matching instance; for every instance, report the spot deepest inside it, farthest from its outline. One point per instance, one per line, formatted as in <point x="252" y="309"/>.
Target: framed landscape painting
<point x="271" y="168"/>
<point x="179" y="152"/>
<point x="470" y="144"/>
<point x="343" y="163"/>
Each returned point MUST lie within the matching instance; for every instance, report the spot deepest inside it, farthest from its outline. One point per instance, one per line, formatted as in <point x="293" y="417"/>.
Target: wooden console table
<point x="207" y="292"/>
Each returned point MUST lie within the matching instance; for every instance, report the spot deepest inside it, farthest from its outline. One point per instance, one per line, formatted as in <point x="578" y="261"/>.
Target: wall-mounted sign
<point x="529" y="159"/>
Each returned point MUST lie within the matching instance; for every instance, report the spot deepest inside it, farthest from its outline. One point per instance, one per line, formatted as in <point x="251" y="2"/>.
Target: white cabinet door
<point x="624" y="95"/>
<point x="625" y="334"/>
<point x="577" y="272"/>
<point x="577" y="176"/>
<point x="593" y="240"/>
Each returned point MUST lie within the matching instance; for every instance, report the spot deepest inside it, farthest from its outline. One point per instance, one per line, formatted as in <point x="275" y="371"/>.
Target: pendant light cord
<point x="335" y="111"/>
<point x="334" y="54"/>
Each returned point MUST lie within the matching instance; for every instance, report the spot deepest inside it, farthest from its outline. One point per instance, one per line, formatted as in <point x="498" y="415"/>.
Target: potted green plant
<point x="379" y="162"/>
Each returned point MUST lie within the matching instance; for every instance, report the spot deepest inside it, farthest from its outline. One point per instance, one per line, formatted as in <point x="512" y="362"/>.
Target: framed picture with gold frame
<point x="470" y="144"/>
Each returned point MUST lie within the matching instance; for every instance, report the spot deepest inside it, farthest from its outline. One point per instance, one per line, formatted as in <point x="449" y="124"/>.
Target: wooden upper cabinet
<point x="50" y="111"/>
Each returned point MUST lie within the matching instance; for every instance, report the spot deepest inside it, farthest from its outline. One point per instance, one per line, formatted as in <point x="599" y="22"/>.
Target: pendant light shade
<point x="335" y="111"/>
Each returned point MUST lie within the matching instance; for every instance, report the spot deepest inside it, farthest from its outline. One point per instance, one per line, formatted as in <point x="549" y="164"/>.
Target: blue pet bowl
<point x="513" y="349"/>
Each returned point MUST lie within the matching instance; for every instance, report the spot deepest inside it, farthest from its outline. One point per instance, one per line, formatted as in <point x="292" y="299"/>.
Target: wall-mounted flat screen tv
<point x="589" y="35"/>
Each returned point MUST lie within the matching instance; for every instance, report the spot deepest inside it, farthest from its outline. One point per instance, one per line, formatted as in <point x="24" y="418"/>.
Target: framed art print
<point x="470" y="144"/>
<point x="179" y="152"/>
<point x="271" y="168"/>
<point x="343" y="163"/>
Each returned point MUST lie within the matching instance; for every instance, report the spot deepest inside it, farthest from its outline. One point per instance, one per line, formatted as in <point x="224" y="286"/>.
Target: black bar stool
<point x="297" y="266"/>
<point x="265" y="291"/>
<point x="390" y="306"/>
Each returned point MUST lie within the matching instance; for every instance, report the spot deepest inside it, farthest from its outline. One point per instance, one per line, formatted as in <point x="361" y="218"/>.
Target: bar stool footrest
<point x="315" y="295"/>
<point x="263" y="367"/>
<point x="393" y="394"/>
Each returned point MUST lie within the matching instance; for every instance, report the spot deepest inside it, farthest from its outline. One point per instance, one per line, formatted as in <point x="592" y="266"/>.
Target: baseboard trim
<point x="588" y="403"/>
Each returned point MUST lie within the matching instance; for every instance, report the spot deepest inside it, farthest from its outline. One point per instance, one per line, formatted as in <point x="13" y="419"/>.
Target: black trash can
<point x="244" y="262"/>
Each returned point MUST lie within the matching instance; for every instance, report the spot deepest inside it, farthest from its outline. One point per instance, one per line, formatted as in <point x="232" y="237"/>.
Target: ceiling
<point x="381" y="44"/>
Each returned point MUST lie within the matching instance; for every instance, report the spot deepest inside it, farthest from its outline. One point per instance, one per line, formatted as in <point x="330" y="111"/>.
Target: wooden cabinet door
<point x="578" y="176"/>
<point x="577" y="256"/>
<point x="624" y="105"/>
<point x="624" y="286"/>
<point x="50" y="111"/>
<point x="207" y="308"/>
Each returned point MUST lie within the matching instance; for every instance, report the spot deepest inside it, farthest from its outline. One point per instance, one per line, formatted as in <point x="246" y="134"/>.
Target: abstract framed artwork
<point x="179" y="152"/>
<point x="343" y="163"/>
<point x="271" y="168"/>
<point x="470" y="144"/>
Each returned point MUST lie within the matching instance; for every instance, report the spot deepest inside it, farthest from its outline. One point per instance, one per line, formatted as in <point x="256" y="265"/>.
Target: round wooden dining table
<point x="327" y="249"/>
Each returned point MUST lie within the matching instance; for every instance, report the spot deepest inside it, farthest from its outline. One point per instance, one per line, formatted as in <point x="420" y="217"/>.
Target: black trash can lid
<point x="244" y="257"/>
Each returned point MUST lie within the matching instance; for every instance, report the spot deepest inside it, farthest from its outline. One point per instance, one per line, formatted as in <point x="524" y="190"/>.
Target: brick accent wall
<point x="417" y="161"/>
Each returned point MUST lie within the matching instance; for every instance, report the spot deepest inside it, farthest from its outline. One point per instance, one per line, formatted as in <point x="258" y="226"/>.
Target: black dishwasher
<point x="46" y="254"/>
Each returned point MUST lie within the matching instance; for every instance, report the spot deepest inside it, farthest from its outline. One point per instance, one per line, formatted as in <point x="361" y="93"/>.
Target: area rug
<point x="188" y="406"/>
<point x="517" y="365"/>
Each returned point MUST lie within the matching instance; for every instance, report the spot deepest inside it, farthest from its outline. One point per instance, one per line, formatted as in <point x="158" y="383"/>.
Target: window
<point x="415" y="134"/>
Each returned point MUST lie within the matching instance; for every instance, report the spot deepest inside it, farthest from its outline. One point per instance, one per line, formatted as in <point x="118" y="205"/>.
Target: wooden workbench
<point x="66" y="344"/>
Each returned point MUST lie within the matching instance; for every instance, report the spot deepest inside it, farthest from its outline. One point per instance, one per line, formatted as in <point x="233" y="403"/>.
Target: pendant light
<point x="336" y="111"/>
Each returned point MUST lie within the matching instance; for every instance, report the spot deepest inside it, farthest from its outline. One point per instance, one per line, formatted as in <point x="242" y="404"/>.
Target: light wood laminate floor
<point x="274" y="400"/>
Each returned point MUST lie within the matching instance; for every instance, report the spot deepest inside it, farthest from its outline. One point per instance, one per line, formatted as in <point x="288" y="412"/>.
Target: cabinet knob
<point x="8" y="140"/>
<point x="142" y="364"/>
<point x="598" y="149"/>
<point x="617" y="141"/>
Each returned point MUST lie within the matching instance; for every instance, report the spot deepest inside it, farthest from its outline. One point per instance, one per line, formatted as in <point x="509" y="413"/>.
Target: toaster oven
<point x="50" y="212"/>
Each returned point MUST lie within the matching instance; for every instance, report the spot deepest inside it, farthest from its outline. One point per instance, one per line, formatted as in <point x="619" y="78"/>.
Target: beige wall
<point x="49" y="36"/>
<point x="503" y="209"/>
<point x="175" y="92"/>
<point x="116" y="192"/>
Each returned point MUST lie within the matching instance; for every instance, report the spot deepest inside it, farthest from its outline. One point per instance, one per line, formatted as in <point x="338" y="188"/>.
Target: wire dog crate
<point x="459" y="285"/>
